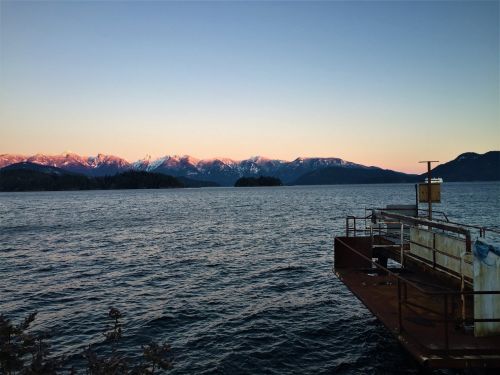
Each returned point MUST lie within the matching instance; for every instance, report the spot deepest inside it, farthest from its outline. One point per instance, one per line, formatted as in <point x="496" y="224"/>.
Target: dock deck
<point x="424" y="308"/>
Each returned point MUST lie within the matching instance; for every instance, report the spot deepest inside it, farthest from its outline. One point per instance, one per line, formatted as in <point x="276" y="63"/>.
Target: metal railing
<point x="481" y="229"/>
<point x="383" y="217"/>
<point x="445" y="316"/>
<point x="426" y="214"/>
<point x="354" y="229"/>
<point x="390" y="234"/>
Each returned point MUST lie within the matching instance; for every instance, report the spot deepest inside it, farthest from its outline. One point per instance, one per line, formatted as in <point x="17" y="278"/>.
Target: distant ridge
<point x="26" y="176"/>
<point x="28" y="166"/>
<point x="336" y="175"/>
<point x="470" y="167"/>
<point x="223" y="171"/>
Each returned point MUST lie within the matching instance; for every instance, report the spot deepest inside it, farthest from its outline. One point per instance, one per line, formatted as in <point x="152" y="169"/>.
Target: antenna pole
<point x="429" y="185"/>
<point x="429" y="188"/>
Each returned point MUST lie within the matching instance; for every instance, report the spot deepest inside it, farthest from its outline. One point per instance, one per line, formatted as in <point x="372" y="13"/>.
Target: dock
<point x="422" y="281"/>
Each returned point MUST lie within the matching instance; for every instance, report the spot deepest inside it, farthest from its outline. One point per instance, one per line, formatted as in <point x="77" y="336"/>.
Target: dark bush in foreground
<point x="25" y="352"/>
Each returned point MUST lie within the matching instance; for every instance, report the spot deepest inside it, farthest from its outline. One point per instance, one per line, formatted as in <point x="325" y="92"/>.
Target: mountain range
<point x="223" y="171"/>
<point x="304" y="171"/>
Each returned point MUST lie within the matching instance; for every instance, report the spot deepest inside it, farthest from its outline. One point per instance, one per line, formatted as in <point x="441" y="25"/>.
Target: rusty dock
<point x="422" y="279"/>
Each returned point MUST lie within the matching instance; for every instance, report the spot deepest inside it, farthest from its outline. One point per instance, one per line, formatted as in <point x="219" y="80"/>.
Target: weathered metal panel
<point x="421" y="237"/>
<point x="423" y="241"/>
<point x="487" y="306"/>
<point x="468" y="265"/>
<point x="455" y="247"/>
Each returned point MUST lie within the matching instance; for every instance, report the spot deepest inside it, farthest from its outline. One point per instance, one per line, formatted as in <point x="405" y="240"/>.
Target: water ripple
<point x="237" y="281"/>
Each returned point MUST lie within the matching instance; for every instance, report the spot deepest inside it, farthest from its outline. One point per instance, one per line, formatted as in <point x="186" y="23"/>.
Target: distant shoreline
<point x="32" y="177"/>
<point x="242" y="187"/>
<point x="220" y="172"/>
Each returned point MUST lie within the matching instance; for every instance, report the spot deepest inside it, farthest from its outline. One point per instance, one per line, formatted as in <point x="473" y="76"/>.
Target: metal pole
<point x="400" y="317"/>
<point x="429" y="185"/>
<point x="371" y="236"/>
<point x="402" y="239"/>
<point x="446" y="339"/>
<point x="416" y="197"/>
<point x="429" y="188"/>
<point x="462" y="295"/>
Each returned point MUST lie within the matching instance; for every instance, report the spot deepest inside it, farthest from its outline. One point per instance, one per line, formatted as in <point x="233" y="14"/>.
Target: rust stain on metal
<point x="420" y="306"/>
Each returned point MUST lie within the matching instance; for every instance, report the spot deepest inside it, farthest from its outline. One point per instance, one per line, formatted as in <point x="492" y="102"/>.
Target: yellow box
<point x="423" y="196"/>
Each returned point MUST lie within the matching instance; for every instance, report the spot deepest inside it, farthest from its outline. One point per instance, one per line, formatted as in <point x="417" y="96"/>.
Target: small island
<point x="258" y="181"/>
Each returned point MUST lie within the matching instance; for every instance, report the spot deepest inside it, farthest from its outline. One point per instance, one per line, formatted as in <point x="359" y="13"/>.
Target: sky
<point x="377" y="83"/>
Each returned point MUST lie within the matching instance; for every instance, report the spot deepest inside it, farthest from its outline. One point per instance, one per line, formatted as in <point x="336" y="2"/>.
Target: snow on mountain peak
<point x="219" y="169"/>
<point x="8" y="159"/>
<point x="103" y="160"/>
<point x="467" y="156"/>
<point x="263" y="160"/>
<point x="190" y="159"/>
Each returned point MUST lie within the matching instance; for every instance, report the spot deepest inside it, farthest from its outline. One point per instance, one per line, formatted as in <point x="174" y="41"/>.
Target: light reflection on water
<point x="237" y="280"/>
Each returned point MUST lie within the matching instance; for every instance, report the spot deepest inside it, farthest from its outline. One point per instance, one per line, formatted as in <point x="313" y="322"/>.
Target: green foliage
<point x="26" y="353"/>
<point x="22" y="352"/>
<point x="137" y="180"/>
<point x="28" y="180"/>
<point x="31" y="180"/>
<point x="260" y="181"/>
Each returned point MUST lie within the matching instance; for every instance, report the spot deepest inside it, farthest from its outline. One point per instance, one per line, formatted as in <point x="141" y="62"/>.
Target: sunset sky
<point x="378" y="83"/>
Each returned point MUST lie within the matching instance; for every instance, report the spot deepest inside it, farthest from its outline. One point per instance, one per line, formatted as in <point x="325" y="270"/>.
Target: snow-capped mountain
<point x="103" y="165"/>
<point x="99" y="165"/>
<point x="223" y="171"/>
<point x="226" y="171"/>
<point x="8" y="159"/>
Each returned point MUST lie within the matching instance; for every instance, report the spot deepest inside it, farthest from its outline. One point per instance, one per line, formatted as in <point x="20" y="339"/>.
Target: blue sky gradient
<point x="386" y="83"/>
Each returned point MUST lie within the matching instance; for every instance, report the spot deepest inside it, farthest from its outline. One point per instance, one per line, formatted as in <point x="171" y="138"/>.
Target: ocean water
<point x="236" y="280"/>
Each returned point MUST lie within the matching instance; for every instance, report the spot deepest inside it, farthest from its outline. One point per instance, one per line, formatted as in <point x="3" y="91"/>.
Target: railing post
<point x="462" y="288"/>
<point x="433" y="250"/>
<point x="468" y="242"/>
<point x="400" y="318"/>
<point x="347" y="226"/>
<point x="371" y="237"/>
<point x="402" y="240"/>
<point x="482" y="232"/>
<point x="446" y="339"/>
<point x="364" y="227"/>
<point x="354" y="220"/>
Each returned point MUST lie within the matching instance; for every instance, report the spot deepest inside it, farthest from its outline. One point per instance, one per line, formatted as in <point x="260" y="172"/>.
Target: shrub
<point x="27" y="353"/>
